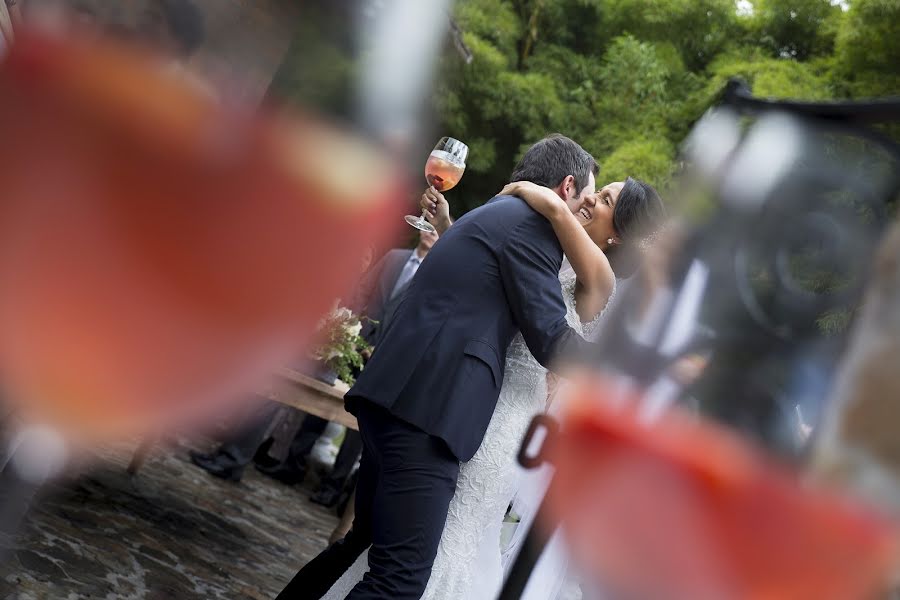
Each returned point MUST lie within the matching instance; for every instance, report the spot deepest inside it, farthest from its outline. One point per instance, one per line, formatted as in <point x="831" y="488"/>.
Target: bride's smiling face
<point x="596" y="214"/>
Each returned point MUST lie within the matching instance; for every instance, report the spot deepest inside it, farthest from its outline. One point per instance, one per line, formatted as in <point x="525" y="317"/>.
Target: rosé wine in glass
<point x="443" y="170"/>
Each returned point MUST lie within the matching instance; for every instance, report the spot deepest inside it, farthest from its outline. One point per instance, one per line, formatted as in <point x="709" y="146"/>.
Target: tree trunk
<point x="531" y="33"/>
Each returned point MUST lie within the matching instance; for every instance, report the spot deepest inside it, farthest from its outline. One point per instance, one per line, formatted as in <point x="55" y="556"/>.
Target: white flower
<point x="354" y="330"/>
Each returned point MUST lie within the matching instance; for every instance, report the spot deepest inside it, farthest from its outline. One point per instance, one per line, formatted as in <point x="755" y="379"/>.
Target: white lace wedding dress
<point x="468" y="564"/>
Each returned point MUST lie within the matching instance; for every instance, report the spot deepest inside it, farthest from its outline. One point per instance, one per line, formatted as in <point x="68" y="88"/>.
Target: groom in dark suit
<point x="426" y="396"/>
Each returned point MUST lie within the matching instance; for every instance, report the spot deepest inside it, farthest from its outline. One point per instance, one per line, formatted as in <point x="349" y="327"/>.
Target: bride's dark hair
<point x="638" y="213"/>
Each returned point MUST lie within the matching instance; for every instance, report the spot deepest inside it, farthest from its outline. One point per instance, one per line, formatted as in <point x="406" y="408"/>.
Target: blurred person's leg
<point x="329" y="491"/>
<point x="346" y="496"/>
<point x="238" y="450"/>
<point x="293" y="468"/>
<point x="336" y="488"/>
<point x="346" y="522"/>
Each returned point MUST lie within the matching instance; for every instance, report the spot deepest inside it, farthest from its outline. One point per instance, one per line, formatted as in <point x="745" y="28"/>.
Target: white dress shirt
<point x="409" y="269"/>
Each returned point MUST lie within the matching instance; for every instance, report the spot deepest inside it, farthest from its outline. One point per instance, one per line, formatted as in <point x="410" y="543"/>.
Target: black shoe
<point x="213" y="464"/>
<point x="326" y="496"/>
<point x="283" y="473"/>
<point x="266" y="461"/>
<point x="261" y="457"/>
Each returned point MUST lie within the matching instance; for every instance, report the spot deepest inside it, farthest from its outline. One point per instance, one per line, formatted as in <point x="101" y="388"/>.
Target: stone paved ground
<point x="171" y="532"/>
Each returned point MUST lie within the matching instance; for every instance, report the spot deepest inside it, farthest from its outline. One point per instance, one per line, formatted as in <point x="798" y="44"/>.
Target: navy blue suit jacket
<point x="439" y="363"/>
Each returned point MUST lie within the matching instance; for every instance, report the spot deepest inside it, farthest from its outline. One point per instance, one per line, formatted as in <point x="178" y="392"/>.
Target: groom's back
<point x="439" y="364"/>
<point x="466" y="260"/>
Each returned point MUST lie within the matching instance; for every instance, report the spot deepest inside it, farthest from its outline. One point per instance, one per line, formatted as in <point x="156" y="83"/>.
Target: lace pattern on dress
<point x="487" y="482"/>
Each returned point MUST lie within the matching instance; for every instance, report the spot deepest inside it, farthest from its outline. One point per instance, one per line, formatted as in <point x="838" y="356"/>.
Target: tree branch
<point x="532" y="33"/>
<point x="457" y="35"/>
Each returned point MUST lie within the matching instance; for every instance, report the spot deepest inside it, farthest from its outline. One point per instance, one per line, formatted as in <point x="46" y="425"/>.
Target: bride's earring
<point x="609" y="241"/>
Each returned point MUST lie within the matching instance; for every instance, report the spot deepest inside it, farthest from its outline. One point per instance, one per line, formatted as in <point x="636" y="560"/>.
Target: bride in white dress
<point x="469" y="564"/>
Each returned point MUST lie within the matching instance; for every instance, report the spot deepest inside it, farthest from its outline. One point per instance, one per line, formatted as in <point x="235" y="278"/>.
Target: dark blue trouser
<point x="406" y="481"/>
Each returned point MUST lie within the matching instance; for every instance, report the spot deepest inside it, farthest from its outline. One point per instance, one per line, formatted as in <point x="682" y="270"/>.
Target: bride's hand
<point x="540" y="198"/>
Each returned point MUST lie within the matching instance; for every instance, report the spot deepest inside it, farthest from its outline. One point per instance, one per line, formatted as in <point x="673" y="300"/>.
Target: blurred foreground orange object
<point x="687" y="510"/>
<point x="159" y="253"/>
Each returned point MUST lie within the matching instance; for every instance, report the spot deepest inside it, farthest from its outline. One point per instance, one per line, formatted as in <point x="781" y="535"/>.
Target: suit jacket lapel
<point x="391" y="274"/>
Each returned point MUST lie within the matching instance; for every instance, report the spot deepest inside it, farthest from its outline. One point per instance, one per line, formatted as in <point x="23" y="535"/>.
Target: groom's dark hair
<point x="550" y="160"/>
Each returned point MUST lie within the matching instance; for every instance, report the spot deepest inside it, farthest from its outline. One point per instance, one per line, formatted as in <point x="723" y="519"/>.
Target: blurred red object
<point x="159" y="253"/>
<point x="687" y="510"/>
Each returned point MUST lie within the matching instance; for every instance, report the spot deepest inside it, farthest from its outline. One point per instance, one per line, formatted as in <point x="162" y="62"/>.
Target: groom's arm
<point x="529" y="269"/>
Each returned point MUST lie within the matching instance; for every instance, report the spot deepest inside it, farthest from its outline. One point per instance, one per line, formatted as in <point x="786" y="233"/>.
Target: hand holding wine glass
<point x="436" y="209"/>
<point x="443" y="170"/>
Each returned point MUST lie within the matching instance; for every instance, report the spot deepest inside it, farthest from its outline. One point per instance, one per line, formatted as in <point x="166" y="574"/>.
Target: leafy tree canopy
<point x="628" y="78"/>
<point x="625" y="78"/>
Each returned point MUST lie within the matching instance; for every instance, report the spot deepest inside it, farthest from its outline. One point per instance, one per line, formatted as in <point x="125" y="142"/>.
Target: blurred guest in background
<point x="377" y="296"/>
<point x="172" y="27"/>
<point x="9" y="20"/>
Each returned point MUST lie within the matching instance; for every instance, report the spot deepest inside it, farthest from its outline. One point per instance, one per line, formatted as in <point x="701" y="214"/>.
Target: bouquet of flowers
<point x="343" y="348"/>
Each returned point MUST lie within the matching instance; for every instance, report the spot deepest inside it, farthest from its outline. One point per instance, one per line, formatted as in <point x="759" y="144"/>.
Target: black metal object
<point x="539" y="423"/>
<point x="737" y="93"/>
<point x="803" y="189"/>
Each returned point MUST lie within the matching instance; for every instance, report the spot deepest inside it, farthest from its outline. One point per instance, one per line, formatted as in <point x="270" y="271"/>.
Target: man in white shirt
<point x="383" y="285"/>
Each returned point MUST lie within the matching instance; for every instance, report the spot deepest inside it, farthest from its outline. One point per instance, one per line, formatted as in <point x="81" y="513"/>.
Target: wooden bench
<point x="327" y="401"/>
<point x="314" y="397"/>
<point x="291" y="388"/>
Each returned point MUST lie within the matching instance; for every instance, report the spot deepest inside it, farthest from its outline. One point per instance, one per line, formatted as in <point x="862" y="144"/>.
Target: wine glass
<point x="443" y="170"/>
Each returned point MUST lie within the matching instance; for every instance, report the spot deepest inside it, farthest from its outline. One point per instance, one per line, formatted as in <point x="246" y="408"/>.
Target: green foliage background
<point x="628" y="78"/>
<point x="625" y="78"/>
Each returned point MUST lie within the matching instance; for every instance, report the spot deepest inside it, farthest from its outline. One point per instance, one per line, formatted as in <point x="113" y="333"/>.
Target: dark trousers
<point x="241" y="446"/>
<point x="406" y="481"/>
<point x="304" y="440"/>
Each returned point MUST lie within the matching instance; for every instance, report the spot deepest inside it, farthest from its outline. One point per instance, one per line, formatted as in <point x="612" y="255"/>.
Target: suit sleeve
<point x="362" y="296"/>
<point x="529" y="270"/>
